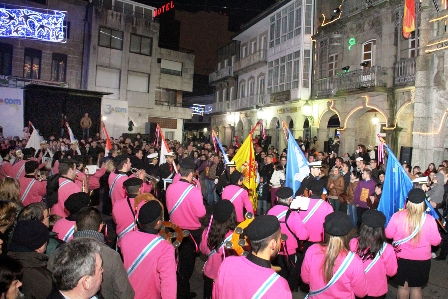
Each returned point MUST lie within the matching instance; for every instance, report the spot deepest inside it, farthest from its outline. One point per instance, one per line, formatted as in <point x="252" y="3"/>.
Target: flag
<point x="34" y="140"/>
<point x="106" y="136"/>
<point x="297" y="166"/>
<point x="226" y="159"/>
<point x="72" y="138"/>
<point x="164" y="149"/>
<point x="245" y="163"/>
<point x="408" y="18"/>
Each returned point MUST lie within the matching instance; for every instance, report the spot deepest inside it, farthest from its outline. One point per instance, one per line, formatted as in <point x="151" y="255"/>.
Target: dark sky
<point x="239" y="11"/>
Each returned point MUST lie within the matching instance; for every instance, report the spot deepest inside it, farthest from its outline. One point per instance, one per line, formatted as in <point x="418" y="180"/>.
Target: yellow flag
<point x="245" y="163"/>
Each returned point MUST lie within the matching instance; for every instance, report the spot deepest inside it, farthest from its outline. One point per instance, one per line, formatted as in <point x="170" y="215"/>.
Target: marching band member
<point x="149" y="259"/>
<point x="252" y="276"/>
<point x="6" y="167"/>
<point x="151" y="168"/>
<point x="65" y="227"/>
<point x="166" y="171"/>
<point x="32" y="189"/>
<point x="314" y="217"/>
<point x="292" y="226"/>
<point x="378" y="256"/>
<point x="315" y="168"/>
<point x="330" y="268"/>
<point x="81" y="178"/>
<point x="221" y="226"/>
<point x="18" y="168"/>
<point x="413" y="232"/>
<point x="185" y="206"/>
<point x="67" y="186"/>
<point x="237" y="195"/>
<point x="94" y="184"/>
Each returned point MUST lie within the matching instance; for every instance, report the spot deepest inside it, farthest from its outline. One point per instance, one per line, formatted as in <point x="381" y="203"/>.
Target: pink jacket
<point x="63" y="193"/>
<point x="377" y="275"/>
<point x="6" y="169"/>
<point x="214" y="261"/>
<point x="35" y="193"/>
<point x="123" y="217"/>
<point x="428" y="236"/>
<point x="190" y="210"/>
<point x="155" y="276"/>
<point x="18" y="169"/>
<point x="242" y="200"/>
<point x="94" y="179"/>
<point x="352" y="282"/>
<point x="177" y="178"/>
<point x="240" y="278"/>
<point x="119" y="192"/>
<point x="64" y="229"/>
<point x="315" y="224"/>
<point x="294" y="223"/>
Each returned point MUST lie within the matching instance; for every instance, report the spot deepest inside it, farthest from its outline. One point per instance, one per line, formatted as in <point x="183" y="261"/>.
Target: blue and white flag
<point x="297" y="165"/>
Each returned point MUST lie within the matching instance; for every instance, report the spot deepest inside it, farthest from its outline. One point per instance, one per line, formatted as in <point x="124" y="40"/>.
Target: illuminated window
<point x="368" y="52"/>
<point x="141" y="45"/>
<point x="110" y="38"/>
<point x="413" y="45"/>
<point x="59" y="67"/>
<point x="306" y="69"/>
<point x="5" y="59"/>
<point x="31" y="65"/>
<point x="332" y="64"/>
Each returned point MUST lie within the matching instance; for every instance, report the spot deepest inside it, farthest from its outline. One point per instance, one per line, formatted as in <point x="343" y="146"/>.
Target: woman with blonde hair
<point x="330" y="268"/>
<point x="7" y="216"/>
<point x="10" y="190"/>
<point x="413" y="233"/>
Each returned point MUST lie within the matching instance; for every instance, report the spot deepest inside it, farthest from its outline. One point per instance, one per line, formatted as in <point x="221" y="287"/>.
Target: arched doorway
<point x="273" y="134"/>
<point x="239" y="130"/>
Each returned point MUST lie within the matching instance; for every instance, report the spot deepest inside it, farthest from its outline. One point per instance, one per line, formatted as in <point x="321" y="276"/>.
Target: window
<point x="59" y="67"/>
<point x="5" y="59"/>
<point x="368" y="51"/>
<point x="251" y="87"/>
<point x="66" y="25"/>
<point x="107" y="77"/>
<point x="141" y="45"/>
<point x="242" y="90"/>
<point x="31" y="66"/>
<point x="231" y="95"/>
<point x="413" y="45"/>
<point x="138" y="82"/>
<point x="169" y="135"/>
<point x="110" y="38"/>
<point x="226" y="62"/>
<point x="224" y="95"/>
<point x="171" y="67"/>
<point x="308" y="20"/>
<point x="261" y="85"/>
<point x="219" y="66"/>
<point x="233" y="60"/>
<point x="306" y="68"/>
<point x="263" y="43"/>
<point x="332" y="64"/>
<point x="254" y="47"/>
<point x="217" y="96"/>
<point x="286" y="24"/>
<point x="244" y="52"/>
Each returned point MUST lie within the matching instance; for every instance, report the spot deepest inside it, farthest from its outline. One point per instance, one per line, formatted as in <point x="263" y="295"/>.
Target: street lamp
<point x="261" y="114"/>
<point x="375" y="119"/>
<point x="308" y="111"/>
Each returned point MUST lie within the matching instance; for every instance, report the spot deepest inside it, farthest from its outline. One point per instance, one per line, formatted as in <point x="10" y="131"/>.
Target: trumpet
<point x="148" y="178"/>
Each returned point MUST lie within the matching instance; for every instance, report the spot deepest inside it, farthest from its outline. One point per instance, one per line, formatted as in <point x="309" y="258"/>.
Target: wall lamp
<point x="365" y="63"/>
<point x="346" y="68"/>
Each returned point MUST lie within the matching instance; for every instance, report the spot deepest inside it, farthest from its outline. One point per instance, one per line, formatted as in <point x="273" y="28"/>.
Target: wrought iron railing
<point x="221" y="74"/>
<point x="405" y="71"/>
<point x="252" y="59"/>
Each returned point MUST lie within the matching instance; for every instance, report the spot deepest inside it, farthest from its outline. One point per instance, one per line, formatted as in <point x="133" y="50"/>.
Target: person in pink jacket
<point x="292" y="226"/>
<point x="221" y="226"/>
<point x="251" y="276"/>
<point x="149" y="259"/>
<point x="330" y="268"/>
<point x="237" y="195"/>
<point x="65" y="227"/>
<point x="413" y="233"/>
<point x="67" y="186"/>
<point x="31" y="189"/>
<point x="378" y="256"/>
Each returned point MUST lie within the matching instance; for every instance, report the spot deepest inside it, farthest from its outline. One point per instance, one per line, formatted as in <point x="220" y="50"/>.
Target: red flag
<point x="408" y="18"/>
<point x="106" y="136"/>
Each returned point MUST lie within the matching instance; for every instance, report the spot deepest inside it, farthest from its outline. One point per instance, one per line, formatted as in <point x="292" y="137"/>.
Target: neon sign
<point x="351" y="42"/>
<point x="164" y="8"/>
<point x="27" y="23"/>
<point x="198" y="109"/>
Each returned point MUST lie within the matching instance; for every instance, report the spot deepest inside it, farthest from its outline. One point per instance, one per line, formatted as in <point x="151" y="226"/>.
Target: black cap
<point x="120" y="158"/>
<point x="316" y="187"/>
<point x="76" y="202"/>
<point x="235" y="177"/>
<point x="416" y="195"/>
<point x="223" y="210"/>
<point x="31" y="234"/>
<point x="149" y="212"/>
<point x="373" y="218"/>
<point x="284" y="193"/>
<point x="187" y="163"/>
<point x="338" y="224"/>
<point x="262" y="227"/>
<point x="132" y="182"/>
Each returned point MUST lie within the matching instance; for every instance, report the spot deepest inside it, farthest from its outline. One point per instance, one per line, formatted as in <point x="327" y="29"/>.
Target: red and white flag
<point x="72" y="138"/>
<point x="164" y="149"/>
<point x="106" y="136"/>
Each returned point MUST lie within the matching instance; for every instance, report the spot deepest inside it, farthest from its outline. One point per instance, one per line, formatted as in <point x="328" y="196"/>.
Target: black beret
<point x="149" y="212"/>
<point x="223" y="210"/>
<point x="416" y="195"/>
<point x="67" y="161"/>
<point x="262" y="227"/>
<point x="373" y="218"/>
<point x="235" y="177"/>
<point x="316" y="187"/>
<point x="187" y="163"/>
<point x="284" y="193"/>
<point x="31" y="234"/>
<point x="132" y="182"/>
<point x="338" y="224"/>
<point x="76" y="202"/>
<point x="120" y="158"/>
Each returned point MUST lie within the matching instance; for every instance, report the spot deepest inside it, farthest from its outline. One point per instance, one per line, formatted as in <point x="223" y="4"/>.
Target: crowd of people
<point x="80" y="221"/>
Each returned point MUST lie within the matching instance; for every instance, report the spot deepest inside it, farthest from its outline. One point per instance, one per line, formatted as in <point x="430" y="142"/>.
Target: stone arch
<point x="247" y="126"/>
<point x="239" y="129"/>
<point x="404" y="121"/>
<point x="324" y="131"/>
<point x="274" y="128"/>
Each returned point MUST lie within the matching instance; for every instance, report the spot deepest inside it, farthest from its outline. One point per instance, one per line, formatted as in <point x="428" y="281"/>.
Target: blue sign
<point x="27" y="23"/>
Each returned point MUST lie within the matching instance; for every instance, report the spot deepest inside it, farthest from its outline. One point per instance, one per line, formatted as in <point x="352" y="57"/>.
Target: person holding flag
<point x="297" y="169"/>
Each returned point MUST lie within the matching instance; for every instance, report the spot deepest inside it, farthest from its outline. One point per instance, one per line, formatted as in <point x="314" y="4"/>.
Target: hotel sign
<point x="163" y="9"/>
<point x="281" y="96"/>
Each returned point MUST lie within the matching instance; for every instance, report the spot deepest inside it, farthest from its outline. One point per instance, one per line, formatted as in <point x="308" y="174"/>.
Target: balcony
<point x="251" y="62"/>
<point x="405" y="71"/>
<point x="351" y="82"/>
<point x="221" y="74"/>
<point x="240" y="104"/>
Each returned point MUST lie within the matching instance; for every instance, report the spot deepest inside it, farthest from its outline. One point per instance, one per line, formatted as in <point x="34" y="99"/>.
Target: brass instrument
<point x="148" y="178"/>
<point x="86" y="182"/>
<point x="19" y="154"/>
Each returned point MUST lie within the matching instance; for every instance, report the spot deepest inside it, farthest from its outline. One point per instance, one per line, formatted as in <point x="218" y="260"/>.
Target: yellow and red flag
<point x="408" y="18"/>
<point x="245" y="163"/>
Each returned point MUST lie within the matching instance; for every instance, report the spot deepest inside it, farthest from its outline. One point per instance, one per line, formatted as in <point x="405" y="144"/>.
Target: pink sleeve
<point x="99" y="172"/>
<point x="299" y="229"/>
<point x="166" y="267"/>
<point x="198" y="204"/>
<point x="246" y="202"/>
<point x="358" y="281"/>
<point x="434" y="235"/>
<point x="391" y="228"/>
<point x="390" y="261"/>
<point x="203" y="246"/>
<point x="305" y="270"/>
<point x="353" y="245"/>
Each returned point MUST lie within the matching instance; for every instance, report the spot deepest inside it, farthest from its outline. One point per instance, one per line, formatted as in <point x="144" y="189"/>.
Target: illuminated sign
<point x="27" y="23"/>
<point x="351" y="42"/>
<point x="164" y="8"/>
<point x="198" y="109"/>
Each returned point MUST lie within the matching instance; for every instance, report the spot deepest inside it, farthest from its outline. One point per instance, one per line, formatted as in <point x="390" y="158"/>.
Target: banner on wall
<point x="115" y="116"/>
<point x="11" y="111"/>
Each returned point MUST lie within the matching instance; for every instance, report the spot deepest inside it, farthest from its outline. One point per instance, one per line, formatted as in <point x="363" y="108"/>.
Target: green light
<point x="351" y="42"/>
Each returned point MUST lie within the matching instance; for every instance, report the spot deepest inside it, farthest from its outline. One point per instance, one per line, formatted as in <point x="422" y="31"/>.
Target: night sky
<point x="239" y="11"/>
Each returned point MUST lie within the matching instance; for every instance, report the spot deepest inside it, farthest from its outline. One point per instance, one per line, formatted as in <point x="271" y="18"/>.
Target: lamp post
<point x="375" y="119"/>
<point x="308" y="111"/>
